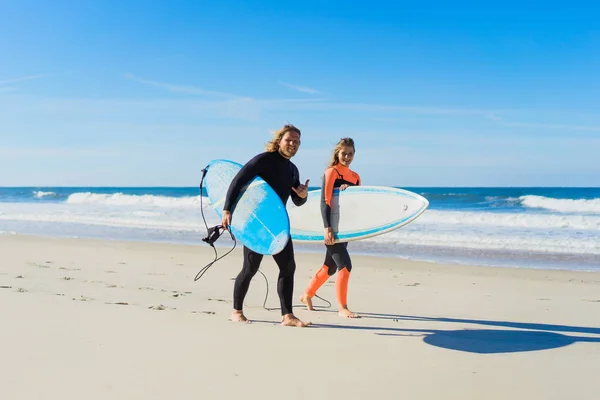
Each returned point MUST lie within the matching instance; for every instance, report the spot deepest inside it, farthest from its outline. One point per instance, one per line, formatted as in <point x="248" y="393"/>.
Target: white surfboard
<point x="359" y="212"/>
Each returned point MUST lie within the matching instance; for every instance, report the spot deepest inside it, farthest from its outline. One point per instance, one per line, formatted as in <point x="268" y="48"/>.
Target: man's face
<point x="289" y="143"/>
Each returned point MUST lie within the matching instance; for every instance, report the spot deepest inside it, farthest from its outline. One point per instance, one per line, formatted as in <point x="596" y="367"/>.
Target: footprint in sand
<point x="122" y="263"/>
<point x="111" y="272"/>
<point x="19" y="277"/>
<point x="110" y="286"/>
<point x="220" y="300"/>
<point x="146" y="288"/>
<point x="5" y="287"/>
<point x="37" y="265"/>
<point x="204" y="312"/>
<point x="70" y="269"/>
<point x="414" y="284"/>
<point x="67" y="278"/>
<point x="83" y="298"/>
<point x="119" y="303"/>
<point x="177" y="294"/>
<point x="21" y="290"/>
<point x="161" y="307"/>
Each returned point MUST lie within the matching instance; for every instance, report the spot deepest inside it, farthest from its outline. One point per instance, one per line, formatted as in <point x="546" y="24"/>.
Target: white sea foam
<point x="149" y="204"/>
<point x="40" y="194"/>
<point x="562" y="205"/>
<point x="515" y="220"/>
<point x="172" y="217"/>
<point x="120" y="199"/>
<point x="525" y="241"/>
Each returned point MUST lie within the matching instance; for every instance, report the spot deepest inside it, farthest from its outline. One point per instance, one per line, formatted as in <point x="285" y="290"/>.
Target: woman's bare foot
<point x="291" y="320"/>
<point x="306" y="299"/>
<point x="344" y="312"/>
<point x="238" y="316"/>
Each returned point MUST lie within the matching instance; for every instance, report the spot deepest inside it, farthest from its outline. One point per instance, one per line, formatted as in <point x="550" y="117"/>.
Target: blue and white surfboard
<point x="259" y="219"/>
<point x="359" y="212"/>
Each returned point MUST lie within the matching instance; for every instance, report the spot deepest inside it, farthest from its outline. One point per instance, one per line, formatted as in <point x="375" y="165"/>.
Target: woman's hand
<point x="329" y="239"/>
<point x="344" y="187"/>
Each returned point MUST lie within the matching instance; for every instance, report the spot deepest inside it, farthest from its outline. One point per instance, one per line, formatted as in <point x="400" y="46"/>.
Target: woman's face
<point x="346" y="155"/>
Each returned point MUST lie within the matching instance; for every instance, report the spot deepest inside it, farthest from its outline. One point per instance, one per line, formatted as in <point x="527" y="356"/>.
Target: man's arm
<point x="251" y="169"/>
<point x="298" y="201"/>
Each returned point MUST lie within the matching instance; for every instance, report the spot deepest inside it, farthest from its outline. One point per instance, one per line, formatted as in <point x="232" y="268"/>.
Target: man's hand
<point x="226" y="220"/>
<point x="302" y="190"/>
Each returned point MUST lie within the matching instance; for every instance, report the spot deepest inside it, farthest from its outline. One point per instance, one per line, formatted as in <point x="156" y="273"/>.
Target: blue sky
<point x="138" y="93"/>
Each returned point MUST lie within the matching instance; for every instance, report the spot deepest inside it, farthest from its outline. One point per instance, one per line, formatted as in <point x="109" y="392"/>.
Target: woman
<point x="337" y="175"/>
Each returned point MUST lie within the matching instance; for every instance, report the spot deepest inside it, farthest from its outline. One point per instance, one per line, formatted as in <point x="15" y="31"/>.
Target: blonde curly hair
<point x="273" y="145"/>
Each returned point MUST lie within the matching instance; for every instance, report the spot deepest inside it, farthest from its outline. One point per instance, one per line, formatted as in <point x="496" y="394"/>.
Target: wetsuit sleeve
<point x="251" y="169"/>
<point x="326" y="195"/>
<point x="298" y="201"/>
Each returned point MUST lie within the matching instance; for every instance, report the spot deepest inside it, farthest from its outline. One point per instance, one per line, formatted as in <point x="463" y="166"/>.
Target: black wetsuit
<point x="336" y="256"/>
<point x="281" y="174"/>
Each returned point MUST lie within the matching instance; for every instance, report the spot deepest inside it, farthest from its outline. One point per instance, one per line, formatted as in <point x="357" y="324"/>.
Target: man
<point x="275" y="167"/>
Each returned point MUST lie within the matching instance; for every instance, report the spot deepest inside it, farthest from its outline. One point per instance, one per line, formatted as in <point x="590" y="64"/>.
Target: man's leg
<point x="250" y="266"/>
<point x="285" y="284"/>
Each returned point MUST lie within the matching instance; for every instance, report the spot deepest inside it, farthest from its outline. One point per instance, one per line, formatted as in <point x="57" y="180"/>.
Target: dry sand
<point x="90" y="319"/>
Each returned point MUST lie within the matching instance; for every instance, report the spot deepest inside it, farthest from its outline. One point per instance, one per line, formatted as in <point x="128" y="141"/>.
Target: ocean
<point x="547" y="228"/>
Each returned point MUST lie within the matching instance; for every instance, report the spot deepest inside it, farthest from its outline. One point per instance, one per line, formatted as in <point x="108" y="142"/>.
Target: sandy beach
<point x="92" y="319"/>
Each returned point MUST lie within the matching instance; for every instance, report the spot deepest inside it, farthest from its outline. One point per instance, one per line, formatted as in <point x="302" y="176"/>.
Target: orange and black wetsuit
<point x="336" y="256"/>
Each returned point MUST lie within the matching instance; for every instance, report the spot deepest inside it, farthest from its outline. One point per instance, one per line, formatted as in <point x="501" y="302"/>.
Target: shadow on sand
<point x="520" y="338"/>
<point x="503" y="324"/>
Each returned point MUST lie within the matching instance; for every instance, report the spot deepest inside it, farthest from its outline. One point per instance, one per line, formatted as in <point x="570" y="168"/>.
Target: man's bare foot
<point x="291" y="320"/>
<point x="238" y="316"/>
<point x="306" y="299"/>
<point x="344" y="312"/>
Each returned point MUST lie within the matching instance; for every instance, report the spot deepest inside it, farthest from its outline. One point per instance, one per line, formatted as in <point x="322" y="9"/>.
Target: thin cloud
<point x="554" y="126"/>
<point x="493" y="117"/>
<point x="61" y="152"/>
<point x="383" y="108"/>
<point x="186" y="89"/>
<point x="25" y="78"/>
<point x="302" y="89"/>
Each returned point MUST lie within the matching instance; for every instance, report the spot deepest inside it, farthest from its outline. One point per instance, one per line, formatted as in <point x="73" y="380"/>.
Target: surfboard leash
<point x="212" y="234"/>
<point x="279" y="308"/>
